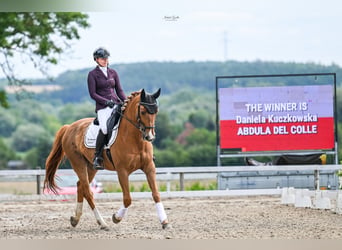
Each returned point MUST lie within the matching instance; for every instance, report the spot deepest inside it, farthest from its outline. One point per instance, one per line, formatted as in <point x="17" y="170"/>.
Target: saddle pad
<point x="91" y="135"/>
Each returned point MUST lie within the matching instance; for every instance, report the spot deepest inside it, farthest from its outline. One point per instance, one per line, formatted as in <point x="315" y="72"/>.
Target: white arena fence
<point x="169" y="174"/>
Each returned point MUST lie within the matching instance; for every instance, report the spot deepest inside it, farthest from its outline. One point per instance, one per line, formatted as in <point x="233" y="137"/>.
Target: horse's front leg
<point x="127" y="200"/>
<point x="152" y="182"/>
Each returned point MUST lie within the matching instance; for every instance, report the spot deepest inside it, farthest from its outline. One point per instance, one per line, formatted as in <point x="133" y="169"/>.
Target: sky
<point x="208" y="30"/>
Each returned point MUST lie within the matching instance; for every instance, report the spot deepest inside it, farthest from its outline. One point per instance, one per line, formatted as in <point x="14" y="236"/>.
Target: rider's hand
<point x="110" y="103"/>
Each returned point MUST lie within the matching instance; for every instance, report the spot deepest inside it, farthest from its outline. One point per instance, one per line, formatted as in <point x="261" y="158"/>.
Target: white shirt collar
<point x="104" y="70"/>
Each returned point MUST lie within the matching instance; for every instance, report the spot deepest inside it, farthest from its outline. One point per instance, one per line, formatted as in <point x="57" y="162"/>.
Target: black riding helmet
<point x="101" y="53"/>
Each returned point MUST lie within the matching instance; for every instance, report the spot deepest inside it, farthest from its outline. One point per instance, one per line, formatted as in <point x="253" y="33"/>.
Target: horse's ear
<point x="143" y="95"/>
<point x="156" y="94"/>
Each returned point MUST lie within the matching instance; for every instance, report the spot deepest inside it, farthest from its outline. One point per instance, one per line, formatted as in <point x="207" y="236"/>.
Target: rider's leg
<point x="115" y="116"/>
<point x="98" y="159"/>
<point x="101" y="140"/>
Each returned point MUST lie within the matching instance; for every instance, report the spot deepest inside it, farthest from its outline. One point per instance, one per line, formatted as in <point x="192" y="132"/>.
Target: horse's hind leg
<point x="85" y="176"/>
<point x="79" y="207"/>
<point x="89" y="196"/>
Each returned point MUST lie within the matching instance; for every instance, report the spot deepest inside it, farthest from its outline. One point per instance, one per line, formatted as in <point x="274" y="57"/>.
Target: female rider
<point x="105" y="88"/>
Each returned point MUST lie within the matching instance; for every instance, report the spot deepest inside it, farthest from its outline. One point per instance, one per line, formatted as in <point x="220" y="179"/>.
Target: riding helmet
<point x="101" y="53"/>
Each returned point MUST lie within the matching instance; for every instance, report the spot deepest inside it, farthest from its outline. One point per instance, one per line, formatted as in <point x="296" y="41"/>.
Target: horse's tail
<point x="54" y="159"/>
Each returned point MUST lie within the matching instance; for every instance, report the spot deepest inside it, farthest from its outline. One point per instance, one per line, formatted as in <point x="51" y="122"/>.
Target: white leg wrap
<point x="99" y="217"/>
<point x="161" y="212"/>
<point x="78" y="211"/>
<point x="121" y="213"/>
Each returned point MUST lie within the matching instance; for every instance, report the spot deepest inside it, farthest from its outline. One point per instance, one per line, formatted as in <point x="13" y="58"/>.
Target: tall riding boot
<point x="98" y="159"/>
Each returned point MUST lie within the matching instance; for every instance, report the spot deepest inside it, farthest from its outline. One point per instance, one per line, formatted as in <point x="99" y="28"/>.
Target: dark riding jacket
<point x="103" y="89"/>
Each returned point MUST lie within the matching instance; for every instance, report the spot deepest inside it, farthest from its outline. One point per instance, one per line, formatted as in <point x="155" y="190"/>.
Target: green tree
<point x="201" y="136"/>
<point x="202" y="119"/>
<point x="171" y="157"/>
<point x="202" y="155"/>
<point x="73" y="112"/>
<point x="201" y="147"/>
<point x="36" y="37"/>
<point x="6" y="154"/>
<point x="28" y="110"/>
<point x="7" y="123"/>
<point x="37" y="156"/>
<point x="28" y="136"/>
<point x="164" y="129"/>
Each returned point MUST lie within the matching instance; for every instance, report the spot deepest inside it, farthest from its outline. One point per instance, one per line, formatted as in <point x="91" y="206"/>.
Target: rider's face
<point x="103" y="62"/>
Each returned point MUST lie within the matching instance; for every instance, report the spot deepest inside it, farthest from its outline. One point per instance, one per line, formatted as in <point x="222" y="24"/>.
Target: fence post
<point x="38" y="181"/>
<point x="181" y="181"/>
<point x="316" y="175"/>
<point x="168" y="182"/>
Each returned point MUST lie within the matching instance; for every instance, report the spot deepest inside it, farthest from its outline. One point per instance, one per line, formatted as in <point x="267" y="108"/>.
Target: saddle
<point x="93" y="130"/>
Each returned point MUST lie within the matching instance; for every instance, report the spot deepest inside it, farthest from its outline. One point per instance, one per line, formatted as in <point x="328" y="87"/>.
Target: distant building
<point x="15" y="164"/>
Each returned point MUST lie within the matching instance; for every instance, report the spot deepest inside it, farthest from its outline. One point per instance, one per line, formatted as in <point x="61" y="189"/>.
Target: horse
<point x="132" y="150"/>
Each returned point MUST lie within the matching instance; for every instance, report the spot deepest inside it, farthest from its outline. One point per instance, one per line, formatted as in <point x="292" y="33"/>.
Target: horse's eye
<point x="143" y="112"/>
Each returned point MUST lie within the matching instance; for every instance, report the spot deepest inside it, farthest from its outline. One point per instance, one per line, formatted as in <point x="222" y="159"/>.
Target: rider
<point x="105" y="88"/>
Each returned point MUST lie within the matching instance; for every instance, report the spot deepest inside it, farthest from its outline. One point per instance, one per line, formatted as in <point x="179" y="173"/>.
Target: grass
<point x="174" y="186"/>
<point x="18" y="188"/>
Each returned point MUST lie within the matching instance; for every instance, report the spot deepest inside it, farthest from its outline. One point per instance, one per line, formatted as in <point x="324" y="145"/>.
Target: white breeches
<point x="102" y="116"/>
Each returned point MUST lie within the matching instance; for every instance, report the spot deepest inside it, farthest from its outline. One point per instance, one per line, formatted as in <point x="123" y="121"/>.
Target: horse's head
<point x="147" y="112"/>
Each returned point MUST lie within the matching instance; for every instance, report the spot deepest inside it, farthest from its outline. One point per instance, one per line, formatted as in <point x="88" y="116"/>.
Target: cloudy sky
<point x="200" y="30"/>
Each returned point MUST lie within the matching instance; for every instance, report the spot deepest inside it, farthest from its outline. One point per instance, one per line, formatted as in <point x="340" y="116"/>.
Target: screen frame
<point x="224" y="153"/>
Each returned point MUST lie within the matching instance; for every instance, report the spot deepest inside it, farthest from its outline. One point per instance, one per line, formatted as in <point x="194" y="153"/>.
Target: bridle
<point x="151" y="108"/>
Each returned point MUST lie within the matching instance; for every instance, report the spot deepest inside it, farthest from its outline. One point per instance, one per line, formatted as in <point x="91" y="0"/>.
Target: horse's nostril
<point x="149" y="138"/>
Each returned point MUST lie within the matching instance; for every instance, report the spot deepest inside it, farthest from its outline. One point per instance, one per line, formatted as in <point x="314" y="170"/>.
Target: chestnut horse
<point x="132" y="150"/>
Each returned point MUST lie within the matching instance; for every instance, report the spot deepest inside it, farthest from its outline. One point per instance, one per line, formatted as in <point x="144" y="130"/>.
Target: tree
<point x="27" y="136"/>
<point x="7" y="123"/>
<point x="36" y="156"/>
<point x="73" y="112"/>
<point x="201" y="137"/>
<point x="202" y="155"/>
<point x="6" y="154"/>
<point x="37" y="37"/>
<point x="163" y="129"/>
<point x="201" y="147"/>
<point x="202" y="119"/>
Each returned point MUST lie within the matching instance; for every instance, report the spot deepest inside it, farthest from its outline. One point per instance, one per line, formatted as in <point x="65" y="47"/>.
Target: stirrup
<point x="97" y="163"/>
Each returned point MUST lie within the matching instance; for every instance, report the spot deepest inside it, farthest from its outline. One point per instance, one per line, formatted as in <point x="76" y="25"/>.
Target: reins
<point x="139" y="125"/>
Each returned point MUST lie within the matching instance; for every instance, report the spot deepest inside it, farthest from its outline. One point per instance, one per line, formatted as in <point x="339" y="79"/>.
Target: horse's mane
<point x="129" y="99"/>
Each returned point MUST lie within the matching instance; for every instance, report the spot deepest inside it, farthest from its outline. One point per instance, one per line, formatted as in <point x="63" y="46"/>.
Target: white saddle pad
<point x="91" y="135"/>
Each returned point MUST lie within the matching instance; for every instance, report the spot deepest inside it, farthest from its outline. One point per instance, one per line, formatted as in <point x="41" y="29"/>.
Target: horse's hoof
<point x="165" y="225"/>
<point x="73" y="221"/>
<point x="116" y="220"/>
<point x="105" y="228"/>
